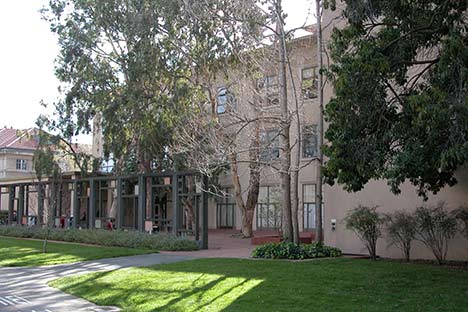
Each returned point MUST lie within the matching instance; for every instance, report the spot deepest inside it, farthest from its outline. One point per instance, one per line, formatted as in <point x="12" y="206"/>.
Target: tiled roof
<point x="19" y="139"/>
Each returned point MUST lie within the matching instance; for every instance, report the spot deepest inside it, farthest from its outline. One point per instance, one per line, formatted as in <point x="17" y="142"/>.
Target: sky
<point x="28" y="51"/>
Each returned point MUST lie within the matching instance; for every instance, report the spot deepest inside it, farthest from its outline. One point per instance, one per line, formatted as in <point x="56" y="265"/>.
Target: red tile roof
<point x="19" y="139"/>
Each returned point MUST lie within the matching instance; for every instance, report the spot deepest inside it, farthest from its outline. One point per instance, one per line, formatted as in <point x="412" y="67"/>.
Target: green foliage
<point x="104" y="238"/>
<point x="3" y="217"/>
<point x="400" y="110"/>
<point x="401" y="228"/>
<point x="367" y="223"/>
<point x="288" y="250"/>
<point x="435" y="227"/>
<point x="462" y="215"/>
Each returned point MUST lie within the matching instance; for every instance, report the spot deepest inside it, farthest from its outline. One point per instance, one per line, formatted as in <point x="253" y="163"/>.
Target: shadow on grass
<point x="18" y="252"/>
<point x="247" y="285"/>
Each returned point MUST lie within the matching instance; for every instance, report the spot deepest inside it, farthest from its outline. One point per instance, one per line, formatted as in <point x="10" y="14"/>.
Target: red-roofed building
<point x="16" y="153"/>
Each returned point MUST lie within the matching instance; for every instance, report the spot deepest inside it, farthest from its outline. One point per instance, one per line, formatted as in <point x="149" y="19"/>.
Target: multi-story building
<point x="16" y="153"/>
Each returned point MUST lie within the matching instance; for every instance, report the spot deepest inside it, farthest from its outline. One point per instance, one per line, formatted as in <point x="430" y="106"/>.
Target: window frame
<point x="21" y="164"/>
<point x="309" y="130"/>
<point x="314" y="81"/>
<point x="269" y="144"/>
<point x="230" y="101"/>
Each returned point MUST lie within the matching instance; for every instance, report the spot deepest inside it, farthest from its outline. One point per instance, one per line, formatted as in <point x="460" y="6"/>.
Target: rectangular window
<point x="309" y="141"/>
<point x="308" y="202"/>
<point x="268" y="87"/>
<point x="269" y="141"/>
<point x="268" y="208"/>
<point x="226" y="208"/>
<point x="21" y="164"/>
<point x="309" y="82"/>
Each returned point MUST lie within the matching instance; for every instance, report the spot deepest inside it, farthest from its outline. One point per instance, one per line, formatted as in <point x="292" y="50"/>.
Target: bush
<point x="287" y="250"/>
<point x="366" y="222"/>
<point x="3" y="217"/>
<point x="435" y="227"/>
<point x="401" y="228"/>
<point x="462" y="215"/>
<point x="131" y="239"/>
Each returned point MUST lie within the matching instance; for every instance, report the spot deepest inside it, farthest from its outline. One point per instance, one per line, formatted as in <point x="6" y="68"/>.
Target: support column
<point x="119" y="219"/>
<point x="11" y="203"/>
<point x="141" y="203"/>
<point x="75" y="207"/>
<point x="40" y="204"/>
<point x="20" y="212"/>
<point x="92" y="204"/>
<point x="204" y="244"/>
<point x="175" y="203"/>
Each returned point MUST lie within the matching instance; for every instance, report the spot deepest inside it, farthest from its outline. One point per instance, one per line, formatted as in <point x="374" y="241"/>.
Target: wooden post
<point x="20" y="212"/>
<point x="75" y="207"/>
<point x="141" y="203"/>
<point x="204" y="244"/>
<point x="175" y="203"/>
<point x="92" y="204"/>
<point x="119" y="221"/>
<point x="11" y="203"/>
<point x="40" y="204"/>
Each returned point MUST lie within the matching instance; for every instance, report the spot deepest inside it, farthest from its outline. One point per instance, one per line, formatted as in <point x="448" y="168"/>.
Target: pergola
<point x="174" y="202"/>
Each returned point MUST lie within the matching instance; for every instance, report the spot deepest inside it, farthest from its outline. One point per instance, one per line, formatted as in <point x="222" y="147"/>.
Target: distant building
<point x="16" y="153"/>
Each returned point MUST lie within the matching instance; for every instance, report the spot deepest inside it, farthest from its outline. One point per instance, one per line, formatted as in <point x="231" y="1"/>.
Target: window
<point x="226" y="207"/>
<point x="268" y="87"/>
<point x="268" y="208"/>
<point x="225" y="100"/>
<point x="309" y="141"/>
<point x="308" y="202"/>
<point x="21" y="164"/>
<point x="269" y="141"/>
<point x="309" y="82"/>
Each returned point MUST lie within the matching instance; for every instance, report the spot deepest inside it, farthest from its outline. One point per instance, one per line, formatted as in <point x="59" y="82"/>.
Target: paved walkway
<point x="25" y="289"/>
<point x="221" y="244"/>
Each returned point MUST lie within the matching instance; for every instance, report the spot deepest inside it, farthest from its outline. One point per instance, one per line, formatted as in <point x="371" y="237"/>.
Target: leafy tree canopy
<point x="400" y="110"/>
<point x="133" y="64"/>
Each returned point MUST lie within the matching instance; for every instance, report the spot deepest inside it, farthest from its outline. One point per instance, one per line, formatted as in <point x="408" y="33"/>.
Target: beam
<point x="141" y="203"/>
<point x="92" y="204"/>
<point x="11" y="203"/>
<point x="75" y="206"/>
<point x="175" y="203"/>
<point x="20" y="212"/>
<point x="204" y="244"/>
<point x="120" y="212"/>
<point x="40" y="204"/>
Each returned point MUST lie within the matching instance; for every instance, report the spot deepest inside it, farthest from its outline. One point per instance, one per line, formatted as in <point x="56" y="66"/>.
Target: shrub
<point x="366" y="222"/>
<point x="435" y="227"/>
<point x="3" y="217"/>
<point x="462" y="215"/>
<point x="401" y="228"/>
<point x="287" y="250"/>
<point x="131" y="239"/>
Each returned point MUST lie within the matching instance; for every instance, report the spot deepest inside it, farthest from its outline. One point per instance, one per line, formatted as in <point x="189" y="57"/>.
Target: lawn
<point x="262" y="285"/>
<point x="23" y="252"/>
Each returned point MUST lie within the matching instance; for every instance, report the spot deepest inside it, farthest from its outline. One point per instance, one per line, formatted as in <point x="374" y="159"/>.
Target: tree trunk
<point x="248" y="208"/>
<point x="318" y="190"/>
<point x="285" y="145"/>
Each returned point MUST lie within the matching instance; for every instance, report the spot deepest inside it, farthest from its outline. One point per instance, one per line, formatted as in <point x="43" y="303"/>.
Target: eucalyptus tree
<point x="116" y="59"/>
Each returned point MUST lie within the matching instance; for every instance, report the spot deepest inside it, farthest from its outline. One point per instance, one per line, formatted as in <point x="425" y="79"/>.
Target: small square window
<point x="268" y="87"/>
<point x="21" y="164"/>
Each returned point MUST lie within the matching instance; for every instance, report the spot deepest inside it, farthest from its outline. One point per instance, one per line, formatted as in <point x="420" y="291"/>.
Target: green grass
<point x="21" y="252"/>
<point x="263" y="285"/>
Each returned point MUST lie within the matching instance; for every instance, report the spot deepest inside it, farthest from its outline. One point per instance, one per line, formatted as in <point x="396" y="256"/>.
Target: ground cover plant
<point x="286" y="250"/>
<point x="259" y="285"/>
<point x="26" y="252"/>
<point x="130" y="239"/>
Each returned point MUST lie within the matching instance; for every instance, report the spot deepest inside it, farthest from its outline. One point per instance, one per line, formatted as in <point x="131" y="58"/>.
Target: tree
<point x="116" y="61"/>
<point x="367" y="223"/>
<point x="401" y="228"/>
<point x="435" y="227"/>
<point x="400" y="109"/>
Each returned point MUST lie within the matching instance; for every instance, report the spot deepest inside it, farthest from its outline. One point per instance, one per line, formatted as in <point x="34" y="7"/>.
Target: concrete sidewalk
<point x="24" y="289"/>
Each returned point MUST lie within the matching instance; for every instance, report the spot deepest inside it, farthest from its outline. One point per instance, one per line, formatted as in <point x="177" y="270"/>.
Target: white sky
<point x="28" y="51"/>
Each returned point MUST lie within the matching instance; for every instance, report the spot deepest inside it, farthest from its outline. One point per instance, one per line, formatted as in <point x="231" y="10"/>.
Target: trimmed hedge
<point x="131" y="239"/>
<point x="293" y="251"/>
